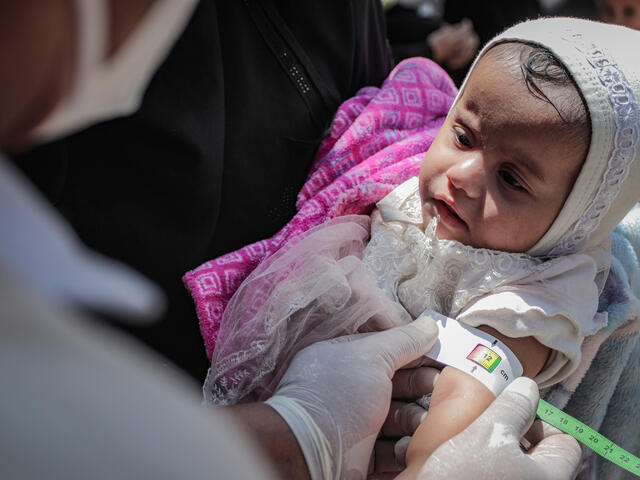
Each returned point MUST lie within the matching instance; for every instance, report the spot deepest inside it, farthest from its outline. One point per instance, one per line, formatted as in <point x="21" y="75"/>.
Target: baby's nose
<point x="468" y="175"/>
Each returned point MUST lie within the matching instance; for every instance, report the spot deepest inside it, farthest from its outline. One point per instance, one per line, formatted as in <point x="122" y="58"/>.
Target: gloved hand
<point x="489" y="448"/>
<point x="336" y="394"/>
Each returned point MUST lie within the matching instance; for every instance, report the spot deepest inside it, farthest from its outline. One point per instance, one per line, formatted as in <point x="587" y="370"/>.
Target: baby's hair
<point x="545" y="76"/>
<point x="542" y="65"/>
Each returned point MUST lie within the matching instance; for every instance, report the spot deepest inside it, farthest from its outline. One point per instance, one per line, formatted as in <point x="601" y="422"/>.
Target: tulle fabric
<point x="316" y="288"/>
<point x="378" y="139"/>
<point x="334" y="280"/>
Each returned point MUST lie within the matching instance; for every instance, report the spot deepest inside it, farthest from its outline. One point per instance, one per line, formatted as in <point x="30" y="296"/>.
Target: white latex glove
<point x="336" y="394"/>
<point x="489" y="449"/>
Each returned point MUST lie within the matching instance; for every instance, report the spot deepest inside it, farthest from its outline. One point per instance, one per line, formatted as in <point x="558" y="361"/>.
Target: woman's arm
<point x="274" y="436"/>
<point x="458" y="399"/>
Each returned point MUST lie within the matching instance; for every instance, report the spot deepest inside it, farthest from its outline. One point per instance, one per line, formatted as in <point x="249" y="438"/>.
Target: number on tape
<point x="589" y="437"/>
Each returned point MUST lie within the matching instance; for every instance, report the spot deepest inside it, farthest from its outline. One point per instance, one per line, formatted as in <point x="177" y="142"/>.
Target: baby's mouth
<point x="448" y="215"/>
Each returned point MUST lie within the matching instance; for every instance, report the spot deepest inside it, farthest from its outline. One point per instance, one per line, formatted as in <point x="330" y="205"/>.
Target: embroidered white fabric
<point x="554" y="300"/>
<point x="421" y="272"/>
<point x="328" y="283"/>
<point x="316" y="288"/>
<point x="627" y="117"/>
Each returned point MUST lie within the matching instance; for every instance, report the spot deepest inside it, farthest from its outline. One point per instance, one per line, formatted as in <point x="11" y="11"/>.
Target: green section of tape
<point x="588" y="436"/>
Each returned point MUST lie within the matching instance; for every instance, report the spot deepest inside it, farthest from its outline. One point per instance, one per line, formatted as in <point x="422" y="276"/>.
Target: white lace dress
<point x="331" y="282"/>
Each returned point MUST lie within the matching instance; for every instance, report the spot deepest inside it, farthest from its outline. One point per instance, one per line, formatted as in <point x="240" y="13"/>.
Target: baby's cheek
<point x="517" y="232"/>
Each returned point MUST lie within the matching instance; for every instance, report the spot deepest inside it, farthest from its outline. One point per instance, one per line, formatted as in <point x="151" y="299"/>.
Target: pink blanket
<point x="377" y="141"/>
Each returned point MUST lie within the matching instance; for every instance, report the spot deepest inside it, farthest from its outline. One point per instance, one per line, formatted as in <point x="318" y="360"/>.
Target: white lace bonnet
<point x="604" y="62"/>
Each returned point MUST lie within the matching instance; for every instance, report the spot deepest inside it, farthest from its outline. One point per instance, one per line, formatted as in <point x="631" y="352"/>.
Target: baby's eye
<point x="510" y="180"/>
<point x="462" y="139"/>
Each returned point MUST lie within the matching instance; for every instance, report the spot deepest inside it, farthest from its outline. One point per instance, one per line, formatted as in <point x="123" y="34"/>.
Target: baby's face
<point x="502" y="164"/>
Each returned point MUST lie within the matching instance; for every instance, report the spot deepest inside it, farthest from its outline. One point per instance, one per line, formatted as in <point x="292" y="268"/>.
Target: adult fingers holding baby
<point x="414" y="381"/>
<point x="335" y="395"/>
<point x="410" y="383"/>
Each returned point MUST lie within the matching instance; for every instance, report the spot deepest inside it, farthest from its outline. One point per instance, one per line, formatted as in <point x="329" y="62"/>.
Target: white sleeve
<point x="80" y="401"/>
<point x="558" y="310"/>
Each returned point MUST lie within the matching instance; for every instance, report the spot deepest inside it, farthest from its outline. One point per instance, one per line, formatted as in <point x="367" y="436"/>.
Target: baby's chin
<point x="444" y="233"/>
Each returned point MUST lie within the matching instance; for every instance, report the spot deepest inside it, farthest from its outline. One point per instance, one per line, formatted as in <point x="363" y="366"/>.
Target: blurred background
<point x="451" y="31"/>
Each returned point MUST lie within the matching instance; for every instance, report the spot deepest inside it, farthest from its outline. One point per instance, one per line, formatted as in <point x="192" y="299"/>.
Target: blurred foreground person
<point x="235" y="112"/>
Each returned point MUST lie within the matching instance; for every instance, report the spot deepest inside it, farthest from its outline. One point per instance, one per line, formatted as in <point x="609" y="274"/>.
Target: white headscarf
<point x="557" y="302"/>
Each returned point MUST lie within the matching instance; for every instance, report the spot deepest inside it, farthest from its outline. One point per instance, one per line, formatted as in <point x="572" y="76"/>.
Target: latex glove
<point x="336" y="394"/>
<point x="490" y="447"/>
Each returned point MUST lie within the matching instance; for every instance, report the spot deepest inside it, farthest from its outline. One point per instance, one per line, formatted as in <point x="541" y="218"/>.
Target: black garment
<point x="222" y="144"/>
<point x="491" y="18"/>
<point x="577" y="8"/>
<point x="408" y="32"/>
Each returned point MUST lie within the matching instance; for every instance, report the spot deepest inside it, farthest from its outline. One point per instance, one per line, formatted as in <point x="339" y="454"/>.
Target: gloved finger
<point x="416" y="363"/>
<point x="558" y="455"/>
<point x="424" y="362"/>
<point x="514" y="409"/>
<point x="413" y="383"/>
<point x="400" y="451"/>
<point x="350" y="338"/>
<point x="384" y="457"/>
<point x="401" y="345"/>
<point x="403" y="419"/>
<point x="540" y="430"/>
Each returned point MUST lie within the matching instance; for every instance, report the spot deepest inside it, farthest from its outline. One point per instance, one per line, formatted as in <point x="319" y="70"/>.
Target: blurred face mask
<point x="105" y="88"/>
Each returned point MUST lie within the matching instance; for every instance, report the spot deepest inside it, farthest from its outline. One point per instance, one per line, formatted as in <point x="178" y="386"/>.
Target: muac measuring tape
<point x="589" y="437"/>
<point x="491" y="362"/>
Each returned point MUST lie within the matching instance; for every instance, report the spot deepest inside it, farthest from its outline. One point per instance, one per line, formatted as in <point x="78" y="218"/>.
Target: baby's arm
<point x="458" y="399"/>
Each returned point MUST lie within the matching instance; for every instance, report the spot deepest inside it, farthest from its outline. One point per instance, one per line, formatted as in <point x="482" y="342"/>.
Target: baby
<point x="496" y="176"/>
<point x="506" y="228"/>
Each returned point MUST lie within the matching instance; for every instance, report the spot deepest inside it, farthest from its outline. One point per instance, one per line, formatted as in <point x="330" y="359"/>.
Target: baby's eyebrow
<point x="472" y="106"/>
<point x="470" y="114"/>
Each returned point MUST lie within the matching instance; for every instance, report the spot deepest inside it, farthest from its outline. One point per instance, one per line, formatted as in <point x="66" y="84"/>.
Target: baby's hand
<point x="404" y="417"/>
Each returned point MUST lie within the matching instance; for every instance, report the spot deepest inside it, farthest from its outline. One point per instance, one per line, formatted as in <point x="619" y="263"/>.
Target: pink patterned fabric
<point x="377" y="141"/>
